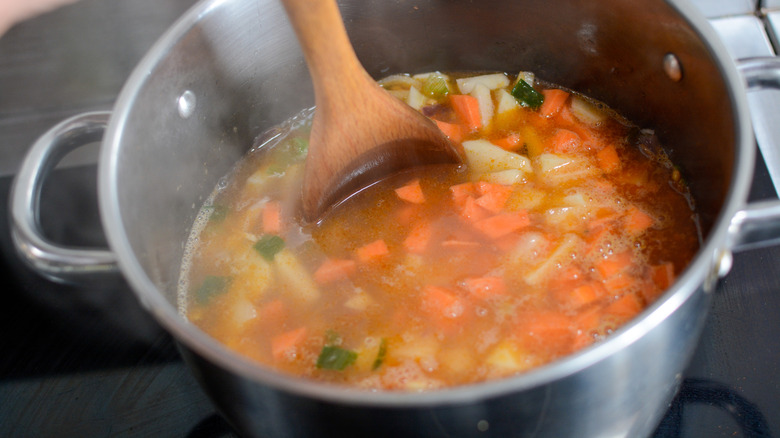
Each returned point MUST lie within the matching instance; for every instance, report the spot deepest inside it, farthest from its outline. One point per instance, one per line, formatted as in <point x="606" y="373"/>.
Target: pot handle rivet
<point x="672" y="67"/>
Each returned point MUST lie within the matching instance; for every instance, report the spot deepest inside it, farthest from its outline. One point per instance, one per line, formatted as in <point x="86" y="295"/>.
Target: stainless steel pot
<point x="230" y="69"/>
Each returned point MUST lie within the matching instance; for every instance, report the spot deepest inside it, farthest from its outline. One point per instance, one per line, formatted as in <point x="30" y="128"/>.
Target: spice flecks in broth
<point x="565" y="224"/>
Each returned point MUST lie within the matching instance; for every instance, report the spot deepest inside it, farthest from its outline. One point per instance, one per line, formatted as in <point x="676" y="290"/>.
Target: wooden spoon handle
<point x="325" y="44"/>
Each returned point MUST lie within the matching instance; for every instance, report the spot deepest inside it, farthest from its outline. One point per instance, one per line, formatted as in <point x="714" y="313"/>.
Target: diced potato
<point x="557" y="170"/>
<point x="576" y="199"/>
<point x="531" y="249"/>
<point x="485" y="100"/>
<point x="402" y="82"/>
<point x="359" y="301"/>
<point x="417" y="348"/>
<point x="586" y="111"/>
<point x="367" y="354"/>
<point x="525" y="198"/>
<point x="506" y="102"/>
<point x="400" y="94"/>
<point x="457" y="360"/>
<point x="415" y="99"/>
<point x="569" y="213"/>
<point x="259" y="181"/>
<point x="505" y="177"/>
<point x="252" y="275"/>
<point x="485" y="157"/>
<point x="491" y="82"/>
<point x="423" y="76"/>
<point x="506" y="358"/>
<point x="241" y="311"/>
<point x="559" y="258"/>
<point x="294" y="277"/>
<point x="569" y="218"/>
<point x="527" y="76"/>
<point x="533" y="142"/>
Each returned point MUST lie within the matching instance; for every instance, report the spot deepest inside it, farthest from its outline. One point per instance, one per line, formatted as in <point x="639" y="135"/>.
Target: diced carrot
<point x="552" y="329"/>
<point x="455" y="244"/>
<point x="585" y="326"/>
<point x="554" y="99"/>
<point x="272" y="312"/>
<point x="503" y="223"/>
<point x="467" y="109"/>
<point x="372" y="251"/>
<point x="566" y="117"/>
<point x="637" y="221"/>
<point x="332" y="270"/>
<point x="461" y="192"/>
<point x="283" y="346"/>
<point x="565" y="141"/>
<point x="608" y="159"/>
<point x="453" y="131"/>
<point x="493" y="196"/>
<point x="511" y="142"/>
<point x="619" y="283"/>
<point x="596" y="241"/>
<point x="408" y="213"/>
<point x="507" y="243"/>
<point x="663" y="275"/>
<point x="472" y="211"/>
<point x="485" y="287"/>
<point x="417" y="240"/>
<point x="604" y="218"/>
<point x="411" y="192"/>
<point x="572" y="273"/>
<point x="614" y="265"/>
<point x="625" y="307"/>
<point x="272" y="217"/>
<point x="583" y="295"/>
<point x="442" y="302"/>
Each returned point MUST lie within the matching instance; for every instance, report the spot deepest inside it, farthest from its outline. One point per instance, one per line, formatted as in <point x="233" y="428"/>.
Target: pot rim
<point x="701" y="270"/>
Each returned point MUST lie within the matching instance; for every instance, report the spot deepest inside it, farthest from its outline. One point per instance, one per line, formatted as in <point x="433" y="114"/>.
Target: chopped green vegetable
<point x="435" y="86"/>
<point x="218" y="213"/>
<point x="526" y="94"/>
<point x="275" y="169"/>
<point x="299" y="145"/>
<point x="335" y="358"/>
<point x="380" y="356"/>
<point x="212" y="285"/>
<point x="269" y="245"/>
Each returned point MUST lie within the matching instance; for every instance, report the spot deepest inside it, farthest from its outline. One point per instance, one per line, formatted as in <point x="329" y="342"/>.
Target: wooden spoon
<point x="360" y="133"/>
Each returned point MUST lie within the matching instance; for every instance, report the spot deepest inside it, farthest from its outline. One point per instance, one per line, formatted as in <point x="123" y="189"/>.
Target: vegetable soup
<point x="564" y="224"/>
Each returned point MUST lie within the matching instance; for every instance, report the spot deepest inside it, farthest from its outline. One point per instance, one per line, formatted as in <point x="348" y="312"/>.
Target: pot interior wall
<point x="241" y="62"/>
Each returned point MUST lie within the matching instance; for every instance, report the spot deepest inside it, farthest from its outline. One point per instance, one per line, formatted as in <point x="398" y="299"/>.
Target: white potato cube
<point x="485" y="157"/>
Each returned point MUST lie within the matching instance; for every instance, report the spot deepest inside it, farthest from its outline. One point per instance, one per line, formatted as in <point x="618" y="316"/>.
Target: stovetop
<point x="88" y="361"/>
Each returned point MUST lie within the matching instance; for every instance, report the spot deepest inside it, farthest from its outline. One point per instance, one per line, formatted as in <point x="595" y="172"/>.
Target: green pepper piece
<point x="218" y="213"/>
<point x="268" y="246"/>
<point x="380" y="356"/>
<point x="526" y="94"/>
<point x="335" y="358"/>
<point x="435" y="86"/>
<point x="212" y="285"/>
<point x="300" y="146"/>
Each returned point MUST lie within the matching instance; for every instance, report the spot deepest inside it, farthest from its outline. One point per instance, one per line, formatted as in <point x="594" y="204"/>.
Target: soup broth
<point x="566" y="222"/>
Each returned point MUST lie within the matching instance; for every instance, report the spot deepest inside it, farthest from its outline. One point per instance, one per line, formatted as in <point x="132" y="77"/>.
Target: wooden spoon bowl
<point x="360" y="133"/>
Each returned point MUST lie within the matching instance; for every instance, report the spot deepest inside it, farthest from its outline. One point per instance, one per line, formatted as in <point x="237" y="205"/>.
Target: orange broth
<point x="565" y="224"/>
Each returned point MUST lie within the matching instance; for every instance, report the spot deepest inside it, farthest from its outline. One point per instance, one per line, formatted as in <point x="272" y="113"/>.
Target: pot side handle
<point x="758" y="224"/>
<point x="49" y="259"/>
